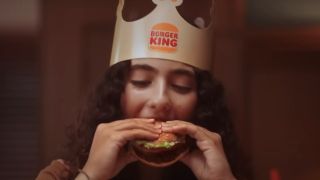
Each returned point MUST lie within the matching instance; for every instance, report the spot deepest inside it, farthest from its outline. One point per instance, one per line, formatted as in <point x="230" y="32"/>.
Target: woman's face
<point x="160" y="89"/>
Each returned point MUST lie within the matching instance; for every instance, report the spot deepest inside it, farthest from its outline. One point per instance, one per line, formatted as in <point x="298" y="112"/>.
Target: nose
<point x="160" y="101"/>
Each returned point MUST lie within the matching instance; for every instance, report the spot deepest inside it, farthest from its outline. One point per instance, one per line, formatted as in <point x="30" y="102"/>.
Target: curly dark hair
<point x="104" y="106"/>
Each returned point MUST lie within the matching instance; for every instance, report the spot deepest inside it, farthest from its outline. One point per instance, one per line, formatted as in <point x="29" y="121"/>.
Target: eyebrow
<point x="178" y="71"/>
<point x="143" y="67"/>
<point x="184" y="72"/>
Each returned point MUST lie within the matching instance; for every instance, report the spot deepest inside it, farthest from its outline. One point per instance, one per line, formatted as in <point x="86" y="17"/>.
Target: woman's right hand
<point x="107" y="154"/>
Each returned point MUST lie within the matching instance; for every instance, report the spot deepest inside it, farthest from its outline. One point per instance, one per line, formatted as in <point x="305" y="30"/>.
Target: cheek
<point x="126" y="105"/>
<point x="131" y="103"/>
<point x="185" y="106"/>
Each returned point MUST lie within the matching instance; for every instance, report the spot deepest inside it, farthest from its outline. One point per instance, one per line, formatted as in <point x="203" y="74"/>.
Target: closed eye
<point x="140" y="83"/>
<point x="181" y="89"/>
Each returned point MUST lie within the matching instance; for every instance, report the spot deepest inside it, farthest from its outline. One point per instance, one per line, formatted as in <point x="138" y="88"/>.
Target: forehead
<point x="162" y="64"/>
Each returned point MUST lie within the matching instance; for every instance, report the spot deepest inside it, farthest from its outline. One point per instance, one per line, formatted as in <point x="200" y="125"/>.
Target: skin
<point x="160" y="89"/>
<point x="159" y="96"/>
<point x="209" y="160"/>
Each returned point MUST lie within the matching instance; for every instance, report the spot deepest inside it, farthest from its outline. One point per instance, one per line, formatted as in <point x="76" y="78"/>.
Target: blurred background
<point x="267" y="54"/>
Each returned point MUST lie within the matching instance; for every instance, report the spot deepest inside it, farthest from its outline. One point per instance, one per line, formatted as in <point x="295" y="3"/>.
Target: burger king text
<point x="164" y="37"/>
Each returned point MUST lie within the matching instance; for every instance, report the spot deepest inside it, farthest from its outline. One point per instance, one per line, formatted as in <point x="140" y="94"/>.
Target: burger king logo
<point x="164" y="37"/>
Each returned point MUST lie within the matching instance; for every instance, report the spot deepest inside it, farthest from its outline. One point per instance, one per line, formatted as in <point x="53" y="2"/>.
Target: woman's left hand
<point x="208" y="161"/>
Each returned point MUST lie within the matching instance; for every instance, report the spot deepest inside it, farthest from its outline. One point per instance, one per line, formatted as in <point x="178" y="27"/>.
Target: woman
<point x="136" y="93"/>
<point x="163" y="88"/>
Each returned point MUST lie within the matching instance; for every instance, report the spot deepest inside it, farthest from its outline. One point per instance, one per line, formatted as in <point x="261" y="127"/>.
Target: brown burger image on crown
<point x="164" y="151"/>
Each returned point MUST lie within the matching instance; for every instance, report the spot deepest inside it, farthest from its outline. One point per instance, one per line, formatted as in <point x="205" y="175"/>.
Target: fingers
<point x="139" y="134"/>
<point x="183" y="127"/>
<point x="146" y="124"/>
<point x="120" y="132"/>
<point x="205" y="138"/>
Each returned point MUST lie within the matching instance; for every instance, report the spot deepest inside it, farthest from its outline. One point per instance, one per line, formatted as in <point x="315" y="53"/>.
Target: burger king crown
<point x="162" y="34"/>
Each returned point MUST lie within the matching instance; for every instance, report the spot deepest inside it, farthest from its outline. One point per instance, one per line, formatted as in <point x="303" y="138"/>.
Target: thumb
<point x="125" y="159"/>
<point x="193" y="159"/>
<point x="130" y="157"/>
<point x="186" y="159"/>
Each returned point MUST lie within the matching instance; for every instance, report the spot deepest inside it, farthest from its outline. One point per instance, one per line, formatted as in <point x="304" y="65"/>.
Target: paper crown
<point x="162" y="34"/>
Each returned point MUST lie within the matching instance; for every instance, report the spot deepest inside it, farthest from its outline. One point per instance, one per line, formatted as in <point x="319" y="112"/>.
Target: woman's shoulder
<point x="58" y="169"/>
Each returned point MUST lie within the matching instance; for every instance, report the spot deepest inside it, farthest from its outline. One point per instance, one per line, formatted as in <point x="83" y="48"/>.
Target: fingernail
<point x="149" y="120"/>
<point x="155" y="135"/>
<point x="158" y="125"/>
<point x="165" y="128"/>
<point x="167" y="125"/>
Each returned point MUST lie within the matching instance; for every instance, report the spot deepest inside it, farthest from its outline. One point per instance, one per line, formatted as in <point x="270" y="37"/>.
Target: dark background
<point x="267" y="53"/>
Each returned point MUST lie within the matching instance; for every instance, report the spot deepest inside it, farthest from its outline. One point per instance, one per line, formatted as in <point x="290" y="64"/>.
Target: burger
<point x="162" y="152"/>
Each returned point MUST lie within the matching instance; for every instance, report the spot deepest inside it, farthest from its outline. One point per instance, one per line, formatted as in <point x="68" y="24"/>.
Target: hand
<point x="209" y="160"/>
<point x="107" y="154"/>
